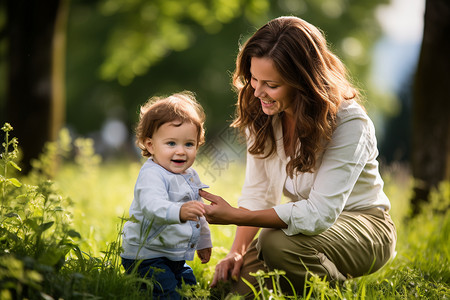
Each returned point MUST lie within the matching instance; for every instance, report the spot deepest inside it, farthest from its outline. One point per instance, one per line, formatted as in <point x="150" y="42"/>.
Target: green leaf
<point x="72" y="233"/>
<point x="15" y="165"/>
<point x="32" y="223"/>
<point x="11" y="214"/>
<point x="250" y="286"/>
<point x="46" y="226"/>
<point x="15" y="182"/>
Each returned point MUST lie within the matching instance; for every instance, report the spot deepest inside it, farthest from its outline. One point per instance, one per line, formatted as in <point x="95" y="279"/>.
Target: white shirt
<point x="346" y="177"/>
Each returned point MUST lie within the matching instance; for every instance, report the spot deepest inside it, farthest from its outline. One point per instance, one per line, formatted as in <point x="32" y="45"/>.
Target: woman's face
<point x="271" y="90"/>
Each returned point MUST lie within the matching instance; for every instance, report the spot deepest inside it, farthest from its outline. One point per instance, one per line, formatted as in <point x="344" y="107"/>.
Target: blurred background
<point x="115" y="54"/>
<point x="75" y="72"/>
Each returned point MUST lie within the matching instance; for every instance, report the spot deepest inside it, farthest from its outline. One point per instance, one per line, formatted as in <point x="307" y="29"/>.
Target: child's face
<point x="174" y="147"/>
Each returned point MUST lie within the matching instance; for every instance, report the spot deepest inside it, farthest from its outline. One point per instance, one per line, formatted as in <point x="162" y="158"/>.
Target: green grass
<point x="59" y="238"/>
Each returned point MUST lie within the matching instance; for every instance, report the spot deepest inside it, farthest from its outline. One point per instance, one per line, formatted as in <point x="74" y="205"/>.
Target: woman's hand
<point x="219" y="211"/>
<point x="192" y="211"/>
<point x="230" y="265"/>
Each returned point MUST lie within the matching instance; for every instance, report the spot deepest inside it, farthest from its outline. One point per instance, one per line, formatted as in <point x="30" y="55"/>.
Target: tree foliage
<point x="126" y="51"/>
<point x="147" y="31"/>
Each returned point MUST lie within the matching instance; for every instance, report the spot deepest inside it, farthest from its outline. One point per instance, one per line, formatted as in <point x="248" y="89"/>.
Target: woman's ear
<point x="148" y="143"/>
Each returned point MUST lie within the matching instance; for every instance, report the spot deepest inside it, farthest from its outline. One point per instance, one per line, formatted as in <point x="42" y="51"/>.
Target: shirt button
<point x="191" y="179"/>
<point x="198" y="225"/>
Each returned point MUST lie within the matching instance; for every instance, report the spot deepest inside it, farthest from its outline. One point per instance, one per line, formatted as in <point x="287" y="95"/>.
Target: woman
<point x="309" y="139"/>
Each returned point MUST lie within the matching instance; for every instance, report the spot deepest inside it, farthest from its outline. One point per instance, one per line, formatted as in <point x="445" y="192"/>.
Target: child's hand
<point x="204" y="255"/>
<point x="191" y="210"/>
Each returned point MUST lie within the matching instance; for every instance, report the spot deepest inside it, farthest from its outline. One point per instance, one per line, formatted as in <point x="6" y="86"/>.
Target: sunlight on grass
<point x="61" y="237"/>
<point x="101" y="200"/>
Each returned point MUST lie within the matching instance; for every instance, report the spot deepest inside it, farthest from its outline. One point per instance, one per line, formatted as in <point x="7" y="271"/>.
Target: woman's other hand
<point x="229" y="267"/>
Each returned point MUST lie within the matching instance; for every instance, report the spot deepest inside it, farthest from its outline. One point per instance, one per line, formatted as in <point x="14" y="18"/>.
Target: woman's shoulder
<point x="350" y="110"/>
<point x="354" y="121"/>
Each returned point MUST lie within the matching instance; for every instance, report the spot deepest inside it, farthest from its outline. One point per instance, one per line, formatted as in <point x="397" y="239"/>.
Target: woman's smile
<point x="267" y="101"/>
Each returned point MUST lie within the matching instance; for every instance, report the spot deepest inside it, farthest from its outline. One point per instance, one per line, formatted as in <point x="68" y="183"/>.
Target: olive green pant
<point x="359" y="243"/>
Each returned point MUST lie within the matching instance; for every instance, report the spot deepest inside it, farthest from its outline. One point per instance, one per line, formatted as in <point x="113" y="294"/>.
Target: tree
<point x="35" y="92"/>
<point x="431" y="106"/>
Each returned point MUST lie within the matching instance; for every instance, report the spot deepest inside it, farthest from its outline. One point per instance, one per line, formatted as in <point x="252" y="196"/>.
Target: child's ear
<point x="148" y="143"/>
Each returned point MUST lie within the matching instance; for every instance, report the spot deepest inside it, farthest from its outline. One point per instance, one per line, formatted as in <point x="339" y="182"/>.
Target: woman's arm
<point x="220" y="212"/>
<point x="243" y="238"/>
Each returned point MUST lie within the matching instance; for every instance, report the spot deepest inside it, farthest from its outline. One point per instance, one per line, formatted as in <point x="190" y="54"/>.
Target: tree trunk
<point x="35" y="97"/>
<point x="431" y="106"/>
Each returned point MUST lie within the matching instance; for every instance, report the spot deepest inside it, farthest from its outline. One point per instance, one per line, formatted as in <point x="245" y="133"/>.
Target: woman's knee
<point x="274" y="248"/>
<point x="269" y="242"/>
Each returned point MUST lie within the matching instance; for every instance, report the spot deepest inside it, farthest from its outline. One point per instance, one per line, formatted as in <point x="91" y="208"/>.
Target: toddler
<point x="166" y="223"/>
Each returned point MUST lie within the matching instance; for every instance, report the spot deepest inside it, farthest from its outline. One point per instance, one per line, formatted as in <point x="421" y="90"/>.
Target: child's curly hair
<point x="159" y="110"/>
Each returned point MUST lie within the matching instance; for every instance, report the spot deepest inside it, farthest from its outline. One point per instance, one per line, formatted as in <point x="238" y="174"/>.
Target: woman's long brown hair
<point x="301" y="56"/>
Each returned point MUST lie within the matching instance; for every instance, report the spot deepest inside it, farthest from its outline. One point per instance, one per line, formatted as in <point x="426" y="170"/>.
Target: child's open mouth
<point x="178" y="161"/>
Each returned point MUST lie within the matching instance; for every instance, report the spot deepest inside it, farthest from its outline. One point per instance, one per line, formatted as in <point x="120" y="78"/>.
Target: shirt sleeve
<point x="151" y="192"/>
<point x="342" y="163"/>
<point x="205" y="235"/>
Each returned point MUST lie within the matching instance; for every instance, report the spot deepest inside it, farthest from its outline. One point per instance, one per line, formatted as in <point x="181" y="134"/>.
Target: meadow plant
<point x="263" y="292"/>
<point x="40" y="254"/>
<point x="34" y="229"/>
<point x="7" y="159"/>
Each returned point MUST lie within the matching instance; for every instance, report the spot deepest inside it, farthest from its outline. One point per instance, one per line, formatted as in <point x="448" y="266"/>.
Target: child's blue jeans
<point x="174" y="273"/>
